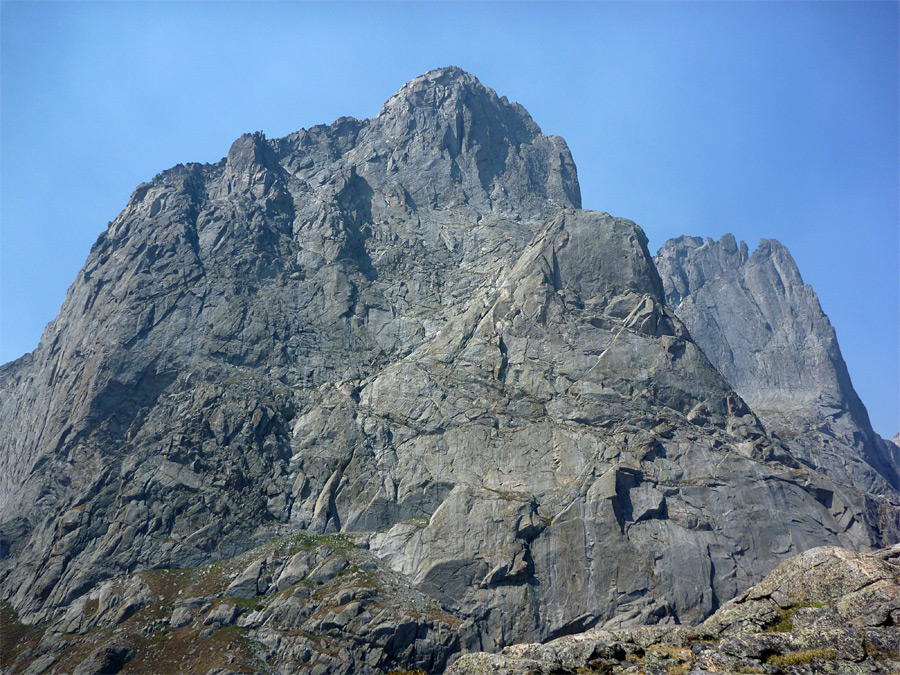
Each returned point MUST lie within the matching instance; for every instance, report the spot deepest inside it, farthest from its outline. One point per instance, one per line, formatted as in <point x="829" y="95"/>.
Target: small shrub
<point x="679" y="653"/>
<point x="14" y="636"/>
<point x="785" y="624"/>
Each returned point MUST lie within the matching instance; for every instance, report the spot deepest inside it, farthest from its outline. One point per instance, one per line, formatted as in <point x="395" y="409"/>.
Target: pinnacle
<point x="436" y="86"/>
<point x="447" y="76"/>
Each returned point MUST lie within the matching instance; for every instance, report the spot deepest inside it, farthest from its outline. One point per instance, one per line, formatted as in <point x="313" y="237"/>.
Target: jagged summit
<point x="451" y="91"/>
<point x="444" y="147"/>
<point x="431" y="89"/>
<point x="452" y="143"/>
<point x="764" y="329"/>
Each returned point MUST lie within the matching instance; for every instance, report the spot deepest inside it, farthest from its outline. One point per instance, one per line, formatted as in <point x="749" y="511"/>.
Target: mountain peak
<point x="447" y="76"/>
<point x="473" y="147"/>
<point x="764" y="330"/>
<point x="436" y="86"/>
<point x="450" y="93"/>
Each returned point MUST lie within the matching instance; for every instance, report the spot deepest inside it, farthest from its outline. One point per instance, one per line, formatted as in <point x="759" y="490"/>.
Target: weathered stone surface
<point x="247" y="583"/>
<point x="365" y="618"/>
<point x="181" y="616"/>
<point x="893" y="449"/>
<point x="764" y="330"/>
<point x="404" y="328"/>
<point x="222" y="614"/>
<point x="105" y="661"/>
<point x="826" y="610"/>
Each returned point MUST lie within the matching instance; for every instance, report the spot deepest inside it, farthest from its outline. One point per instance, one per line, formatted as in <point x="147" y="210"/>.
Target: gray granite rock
<point x="223" y="614"/>
<point x="763" y="328"/>
<point x="405" y="328"/>
<point x="828" y="610"/>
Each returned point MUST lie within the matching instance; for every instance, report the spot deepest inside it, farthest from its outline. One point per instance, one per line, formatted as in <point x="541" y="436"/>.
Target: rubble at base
<point x="828" y="610"/>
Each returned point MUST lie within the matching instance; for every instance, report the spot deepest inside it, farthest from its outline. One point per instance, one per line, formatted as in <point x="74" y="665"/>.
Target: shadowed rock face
<point x="403" y="328"/>
<point x="764" y="330"/>
<point x="828" y="610"/>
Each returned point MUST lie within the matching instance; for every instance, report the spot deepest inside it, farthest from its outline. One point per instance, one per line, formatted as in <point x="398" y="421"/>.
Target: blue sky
<point x="774" y="120"/>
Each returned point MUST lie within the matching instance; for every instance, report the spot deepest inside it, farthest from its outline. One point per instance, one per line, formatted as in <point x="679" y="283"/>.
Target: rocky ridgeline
<point x="829" y="610"/>
<point x="764" y="330"/>
<point x="406" y="333"/>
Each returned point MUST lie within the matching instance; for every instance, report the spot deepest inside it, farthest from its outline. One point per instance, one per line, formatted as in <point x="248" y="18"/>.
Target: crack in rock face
<point x="380" y="393"/>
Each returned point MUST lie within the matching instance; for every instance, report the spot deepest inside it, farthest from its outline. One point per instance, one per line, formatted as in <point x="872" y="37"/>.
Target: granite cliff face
<point x="764" y="330"/>
<point x="378" y="393"/>
<point x="828" y="610"/>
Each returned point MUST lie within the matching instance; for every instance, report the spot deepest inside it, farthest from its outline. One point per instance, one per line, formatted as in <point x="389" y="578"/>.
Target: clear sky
<point x="764" y="119"/>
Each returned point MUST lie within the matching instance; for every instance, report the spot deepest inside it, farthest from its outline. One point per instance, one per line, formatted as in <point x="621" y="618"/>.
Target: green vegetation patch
<point x="308" y="542"/>
<point x="186" y="651"/>
<point x="510" y="495"/>
<point x="15" y="637"/>
<point x="786" y="622"/>
<point x="680" y="669"/>
<point x="803" y="657"/>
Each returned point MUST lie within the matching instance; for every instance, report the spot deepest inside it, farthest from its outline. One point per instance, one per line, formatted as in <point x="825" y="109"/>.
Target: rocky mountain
<point x="378" y="393"/>
<point x="764" y="330"/>
<point x="893" y="447"/>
